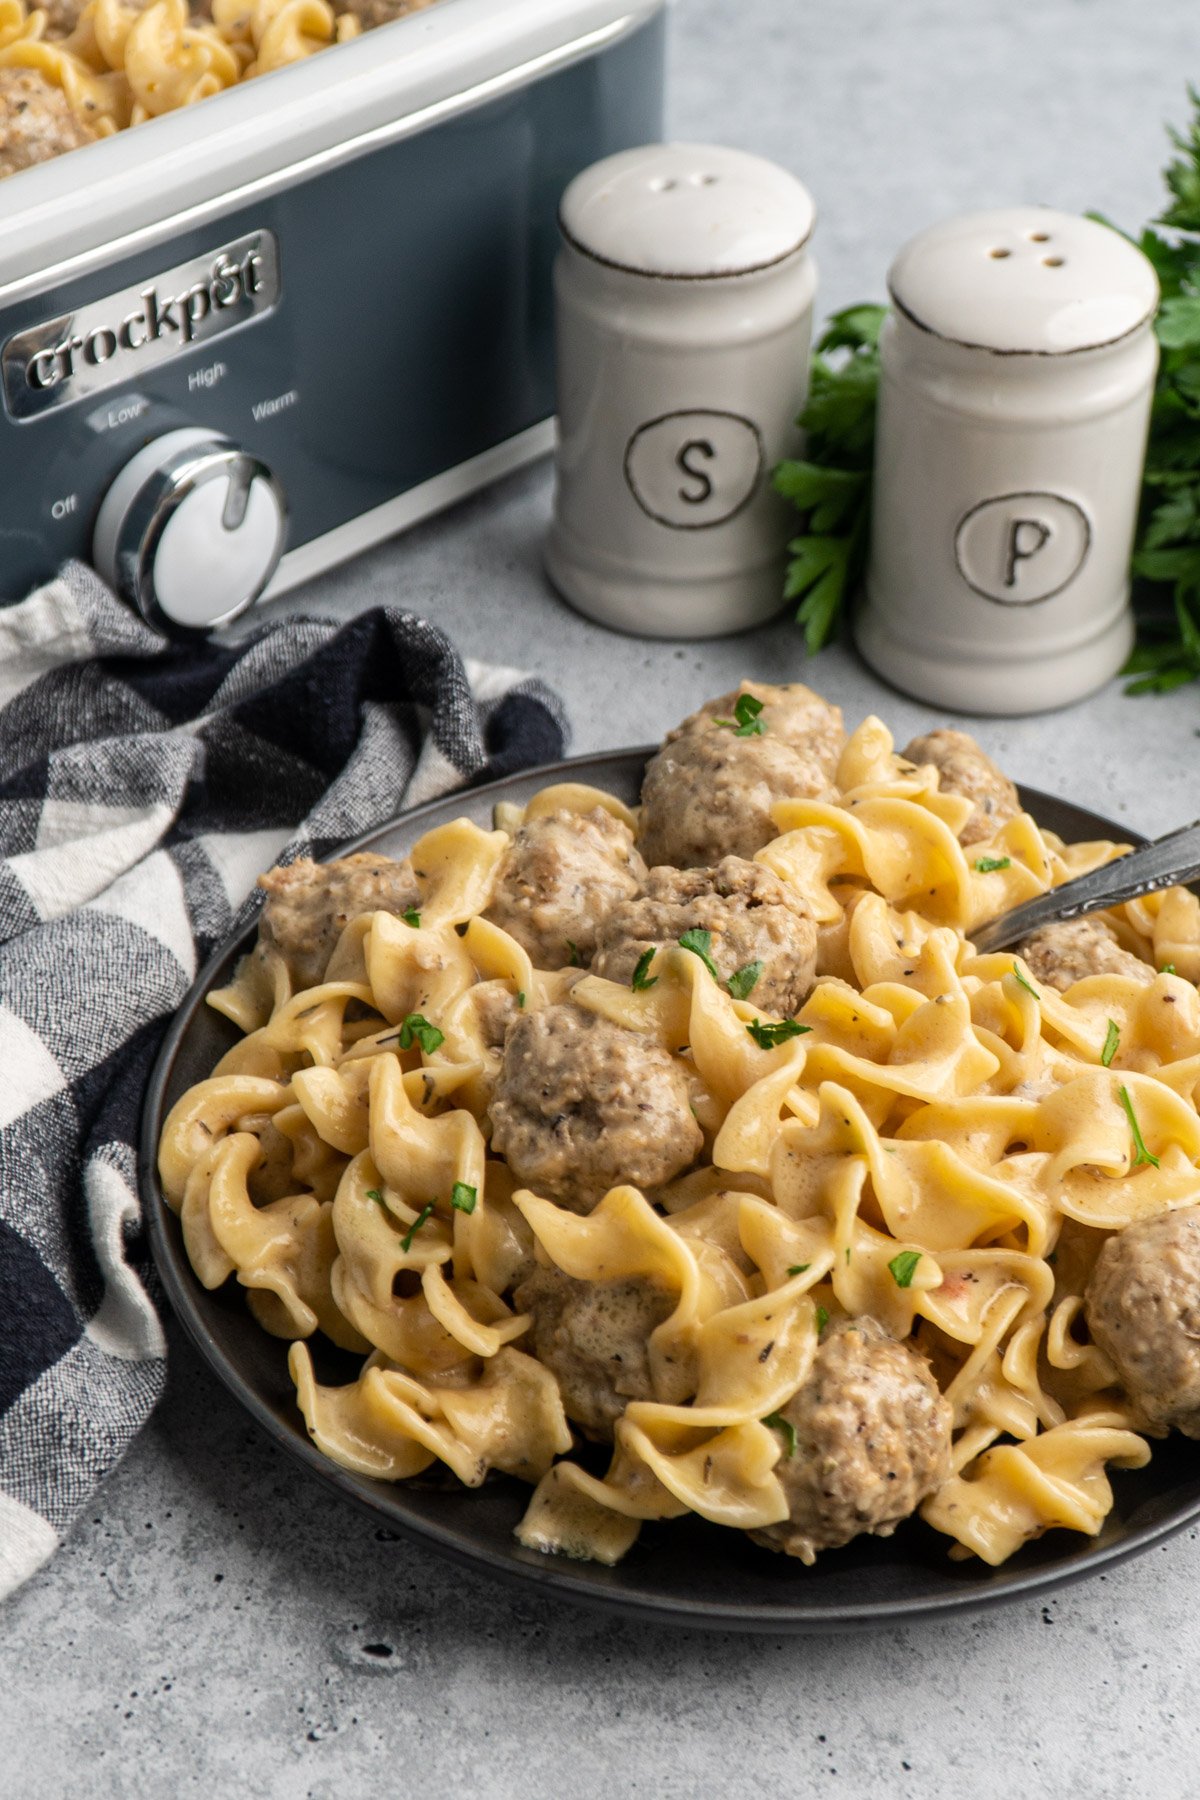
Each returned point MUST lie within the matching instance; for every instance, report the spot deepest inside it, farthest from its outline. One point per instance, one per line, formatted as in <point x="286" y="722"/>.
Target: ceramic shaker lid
<point x="1024" y="279"/>
<point x="687" y="210"/>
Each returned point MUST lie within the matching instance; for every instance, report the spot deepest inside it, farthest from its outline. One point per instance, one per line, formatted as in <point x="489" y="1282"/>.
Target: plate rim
<point x="544" y="1574"/>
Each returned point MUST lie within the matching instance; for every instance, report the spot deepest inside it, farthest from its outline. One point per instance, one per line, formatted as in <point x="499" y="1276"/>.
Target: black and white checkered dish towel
<point x="142" y="789"/>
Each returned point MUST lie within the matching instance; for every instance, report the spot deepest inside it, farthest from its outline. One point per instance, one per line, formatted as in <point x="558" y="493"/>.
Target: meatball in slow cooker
<point x="557" y="881"/>
<point x="1142" y="1306"/>
<point x="582" y="1106"/>
<point x="593" y="1336"/>
<point x="309" y="904"/>
<point x="872" y="1441"/>
<point x="36" y="121"/>
<point x="709" y="791"/>
<point x="371" y="13"/>
<point x="751" y="916"/>
<point x="1063" y="954"/>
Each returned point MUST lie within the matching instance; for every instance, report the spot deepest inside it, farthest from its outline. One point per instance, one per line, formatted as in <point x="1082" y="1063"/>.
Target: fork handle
<point x="1168" y="861"/>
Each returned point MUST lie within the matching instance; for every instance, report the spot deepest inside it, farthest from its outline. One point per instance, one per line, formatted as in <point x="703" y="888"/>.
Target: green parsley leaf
<point x="417" y="1027"/>
<point x="1141" y="1154"/>
<point x="988" y="865"/>
<point x="744" y="980"/>
<point x="641" y="979"/>
<point x="831" y="488"/>
<point x="574" y="949"/>
<point x="521" y="997"/>
<point x="700" y="944"/>
<point x="410" y="1234"/>
<point x="374" y="1194"/>
<point x="822" y="1319"/>
<point x="745" y="721"/>
<point x="767" y="1037"/>
<point x="1167" y="969"/>
<point x="463" y="1198"/>
<point x="777" y="1422"/>
<point x="1027" y="985"/>
<point x="1112" y="1039"/>
<point x="904" y="1267"/>
<point x="412" y="917"/>
<point x="799" y="1268"/>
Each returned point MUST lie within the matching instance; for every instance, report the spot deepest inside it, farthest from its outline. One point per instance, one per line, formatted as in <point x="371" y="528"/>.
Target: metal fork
<point x="1170" y="861"/>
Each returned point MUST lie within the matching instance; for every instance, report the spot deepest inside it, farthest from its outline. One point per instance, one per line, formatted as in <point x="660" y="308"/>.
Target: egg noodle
<point x="123" y="64"/>
<point x="943" y="1146"/>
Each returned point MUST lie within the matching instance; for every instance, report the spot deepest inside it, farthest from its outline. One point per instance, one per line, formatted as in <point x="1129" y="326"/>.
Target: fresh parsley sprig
<point x="699" y="942"/>
<point x="745" y="721"/>
<point x="831" y="487"/>
<point x="417" y="1029"/>
<point x="770" y="1036"/>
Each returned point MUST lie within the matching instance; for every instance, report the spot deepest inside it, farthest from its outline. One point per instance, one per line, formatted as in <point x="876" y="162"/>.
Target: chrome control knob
<point x="191" y="531"/>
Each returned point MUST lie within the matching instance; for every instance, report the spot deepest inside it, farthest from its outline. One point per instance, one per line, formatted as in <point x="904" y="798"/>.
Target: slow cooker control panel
<point x="191" y="531"/>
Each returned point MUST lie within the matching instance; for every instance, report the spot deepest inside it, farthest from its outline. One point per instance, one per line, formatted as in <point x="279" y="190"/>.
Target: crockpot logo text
<point x="104" y="341"/>
<point x="228" y="284"/>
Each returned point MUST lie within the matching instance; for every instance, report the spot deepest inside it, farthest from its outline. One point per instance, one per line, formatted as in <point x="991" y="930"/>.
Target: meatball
<point x="964" y="769"/>
<point x="371" y="13"/>
<point x="496" y="1006"/>
<point x="1062" y="954"/>
<point x="1142" y="1306"/>
<point x="709" y="794"/>
<point x="872" y="1441"/>
<point x="559" y="877"/>
<point x="593" y="1337"/>
<point x="791" y="712"/>
<point x="309" y="903"/>
<point x="36" y="121"/>
<point x="582" y="1105"/>
<point x="752" y="918"/>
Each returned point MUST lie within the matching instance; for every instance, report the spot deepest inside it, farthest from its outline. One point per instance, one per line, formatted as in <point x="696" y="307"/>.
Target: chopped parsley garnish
<point x="462" y="1198"/>
<point x="521" y="997"/>
<point x="799" y="1268"/>
<point x="744" y="980"/>
<point x="412" y="917"/>
<point x="1142" y="1155"/>
<point x="700" y="944"/>
<point x="574" y="949"/>
<point x="745" y="721"/>
<point x="410" y="1234"/>
<point x="417" y="1028"/>
<point x="822" y="1319"/>
<point x="1027" y="985"/>
<point x="777" y="1422"/>
<point x="904" y="1267"/>
<point x="1167" y="969"/>
<point x="988" y="865"/>
<point x="375" y="1195"/>
<point x="1112" y="1039"/>
<point x="641" y="979"/>
<point x="767" y="1037"/>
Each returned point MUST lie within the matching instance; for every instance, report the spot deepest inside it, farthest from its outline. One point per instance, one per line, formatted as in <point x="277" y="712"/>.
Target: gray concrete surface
<point x="206" y="1628"/>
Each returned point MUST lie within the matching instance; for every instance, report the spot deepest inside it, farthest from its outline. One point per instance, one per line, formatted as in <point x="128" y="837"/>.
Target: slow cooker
<point x="246" y="341"/>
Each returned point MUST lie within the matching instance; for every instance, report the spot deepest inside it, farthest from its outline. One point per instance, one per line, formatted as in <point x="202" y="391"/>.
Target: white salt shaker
<point x="1017" y="371"/>
<point x="684" y="298"/>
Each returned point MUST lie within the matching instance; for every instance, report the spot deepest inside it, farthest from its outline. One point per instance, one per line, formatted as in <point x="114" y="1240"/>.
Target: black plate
<point x="685" y="1572"/>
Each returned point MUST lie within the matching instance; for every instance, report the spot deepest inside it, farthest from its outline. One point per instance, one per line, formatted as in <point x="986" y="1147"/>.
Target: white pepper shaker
<point x="684" y="297"/>
<point x="1018" y="368"/>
